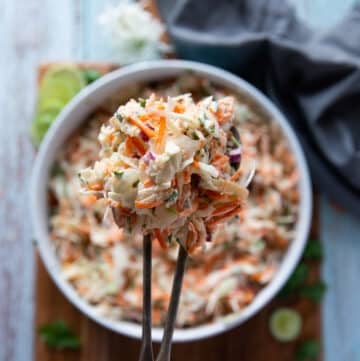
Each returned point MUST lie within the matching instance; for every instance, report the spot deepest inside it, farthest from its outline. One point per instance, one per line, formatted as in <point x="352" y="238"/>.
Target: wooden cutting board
<point x="248" y="342"/>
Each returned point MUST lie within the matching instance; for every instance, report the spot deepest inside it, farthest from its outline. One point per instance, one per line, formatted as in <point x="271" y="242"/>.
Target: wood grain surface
<point x="37" y="30"/>
<point x="99" y="344"/>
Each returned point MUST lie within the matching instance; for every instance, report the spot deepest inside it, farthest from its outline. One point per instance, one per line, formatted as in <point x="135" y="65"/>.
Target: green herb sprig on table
<point x="297" y="283"/>
<point x="58" y="335"/>
<point x="313" y="250"/>
<point x="314" y="291"/>
<point x="90" y="75"/>
<point x="308" y="351"/>
<point x="300" y="285"/>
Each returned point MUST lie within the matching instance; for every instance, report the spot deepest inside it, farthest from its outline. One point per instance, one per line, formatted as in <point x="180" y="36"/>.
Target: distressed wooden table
<point x="37" y="30"/>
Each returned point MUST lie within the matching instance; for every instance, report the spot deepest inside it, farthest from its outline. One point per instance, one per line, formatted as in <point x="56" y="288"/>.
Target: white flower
<point x="135" y="34"/>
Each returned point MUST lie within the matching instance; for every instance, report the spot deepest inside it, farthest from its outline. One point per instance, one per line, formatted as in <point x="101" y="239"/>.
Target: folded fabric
<point x="313" y="76"/>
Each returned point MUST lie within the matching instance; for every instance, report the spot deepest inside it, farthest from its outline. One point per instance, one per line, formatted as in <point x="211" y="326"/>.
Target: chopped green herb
<point x="82" y="180"/>
<point x="90" y="75"/>
<point x="315" y="291"/>
<point x="235" y="141"/>
<point x="119" y="117"/>
<point x="58" y="335"/>
<point x="173" y="196"/>
<point x="57" y="170"/>
<point x="118" y="173"/>
<point x="142" y="102"/>
<point x="296" y="280"/>
<point x="313" y="250"/>
<point x="128" y="221"/>
<point x="308" y="351"/>
<point x="135" y="184"/>
<point x="194" y="136"/>
<point x="202" y="122"/>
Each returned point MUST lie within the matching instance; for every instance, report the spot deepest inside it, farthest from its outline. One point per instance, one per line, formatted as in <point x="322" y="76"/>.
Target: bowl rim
<point x="144" y="71"/>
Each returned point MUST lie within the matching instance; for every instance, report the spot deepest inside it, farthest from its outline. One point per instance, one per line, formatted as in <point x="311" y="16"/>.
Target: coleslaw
<point x="170" y="168"/>
<point x="104" y="263"/>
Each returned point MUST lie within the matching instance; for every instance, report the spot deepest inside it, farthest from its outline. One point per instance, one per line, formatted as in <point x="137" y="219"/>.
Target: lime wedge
<point x="59" y="85"/>
<point x="285" y="324"/>
<point x="42" y="123"/>
<point x="46" y="104"/>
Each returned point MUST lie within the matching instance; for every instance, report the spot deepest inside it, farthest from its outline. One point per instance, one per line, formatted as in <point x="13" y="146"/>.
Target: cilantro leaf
<point x="90" y="75"/>
<point x="142" y="102"/>
<point x="118" y="173"/>
<point x="314" y="291"/>
<point x="308" y="351"/>
<point x="172" y="197"/>
<point x="57" y="334"/>
<point x="296" y="280"/>
<point x="313" y="250"/>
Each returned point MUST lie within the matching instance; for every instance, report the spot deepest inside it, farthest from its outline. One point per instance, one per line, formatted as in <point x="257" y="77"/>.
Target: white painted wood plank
<point x="322" y="14"/>
<point x="96" y="44"/>
<point x="31" y="31"/>
<point x="341" y="271"/>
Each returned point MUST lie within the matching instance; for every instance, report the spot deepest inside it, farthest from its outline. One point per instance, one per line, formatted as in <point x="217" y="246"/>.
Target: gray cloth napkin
<point x="313" y="76"/>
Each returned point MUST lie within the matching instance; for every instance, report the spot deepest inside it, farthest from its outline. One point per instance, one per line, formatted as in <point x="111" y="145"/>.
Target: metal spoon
<point x="146" y="351"/>
<point x="166" y="343"/>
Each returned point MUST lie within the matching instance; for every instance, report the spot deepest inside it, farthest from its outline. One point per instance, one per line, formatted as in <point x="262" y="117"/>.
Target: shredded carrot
<point x="96" y="187"/>
<point x="161" y="135"/>
<point x="108" y="258"/>
<point x="88" y="200"/>
<point x="148" y="183"/>
<point x="215" y="221"/>
<point x="143" y="117"/>
<point x="128" y="147"/>
<point x="179" y="108"/>
<point x="153" y="204"/>
<point x="236" y="175"/>
<point x="161" y="106"/>
<point x="149" y="132"/>
<point x="220" y="160"/>
<point x="203" y="206"/>
<point x="225" y="110"/>
<point x="187" y="176"/>
<point x="139" y="145"/>
<point x="160" y="238"/>
<point x="196" y="164"/>
<point x="214" y="195"/>
<point x="192" y="239"/>
<point x="223" y="209"/>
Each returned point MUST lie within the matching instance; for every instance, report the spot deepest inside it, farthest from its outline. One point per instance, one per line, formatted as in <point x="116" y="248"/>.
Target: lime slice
<point x="46" y="104"/>
<point x="60" y="84"/>
<point x="91" y="75"/>
<point x="42" y="123"/>
<point x="285" y="324"/>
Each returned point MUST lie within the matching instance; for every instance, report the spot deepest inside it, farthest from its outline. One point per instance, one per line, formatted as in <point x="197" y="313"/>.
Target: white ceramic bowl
<point x="72" y="116"/>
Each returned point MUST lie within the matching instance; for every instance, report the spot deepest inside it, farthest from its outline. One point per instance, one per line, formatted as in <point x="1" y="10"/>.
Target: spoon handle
<point x="165" y="348"/>
<point x="146" y="352"/>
